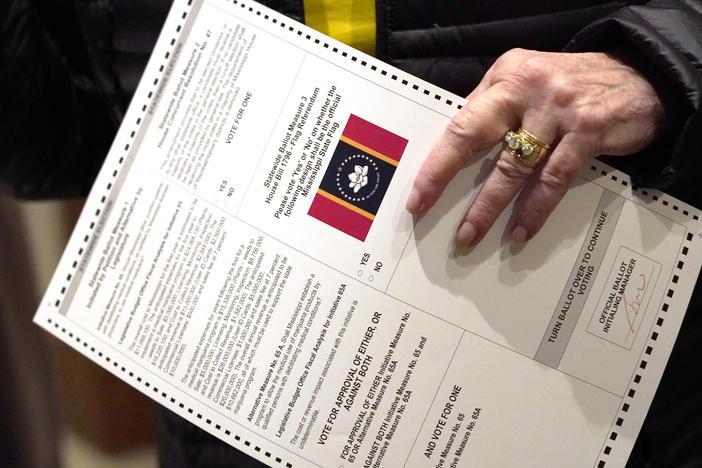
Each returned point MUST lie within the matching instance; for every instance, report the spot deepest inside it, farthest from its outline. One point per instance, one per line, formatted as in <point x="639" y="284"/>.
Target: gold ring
<point x="525" y="147"/>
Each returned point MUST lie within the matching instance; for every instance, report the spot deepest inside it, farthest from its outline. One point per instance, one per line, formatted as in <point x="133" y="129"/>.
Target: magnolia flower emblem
<point x="359" y="178"/>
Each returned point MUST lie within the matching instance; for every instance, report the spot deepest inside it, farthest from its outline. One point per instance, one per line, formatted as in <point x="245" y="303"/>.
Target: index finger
<point x="478" y="126"/>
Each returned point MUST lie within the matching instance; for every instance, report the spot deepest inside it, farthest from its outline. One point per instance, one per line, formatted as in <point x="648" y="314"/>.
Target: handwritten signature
<point x="632" y="307"/>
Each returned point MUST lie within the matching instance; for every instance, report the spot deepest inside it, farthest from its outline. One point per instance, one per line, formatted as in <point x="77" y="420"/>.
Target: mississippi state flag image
<point x="359" y="174"/>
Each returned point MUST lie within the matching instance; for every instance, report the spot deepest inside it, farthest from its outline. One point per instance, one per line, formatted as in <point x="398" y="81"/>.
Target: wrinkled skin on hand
<point x="582" y="104"/>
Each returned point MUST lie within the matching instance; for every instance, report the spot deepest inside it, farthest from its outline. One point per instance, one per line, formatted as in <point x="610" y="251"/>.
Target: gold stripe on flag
<point x="345" y="204"/>
<point x="366" y="149"/>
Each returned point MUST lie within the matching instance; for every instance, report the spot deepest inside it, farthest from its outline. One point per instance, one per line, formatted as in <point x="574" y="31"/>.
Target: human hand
<point x="581" y="104"/>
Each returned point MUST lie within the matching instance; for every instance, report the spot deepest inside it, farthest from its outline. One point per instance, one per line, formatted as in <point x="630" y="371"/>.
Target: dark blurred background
<point x="67" y="71"/>
<point x="57" y="408"/>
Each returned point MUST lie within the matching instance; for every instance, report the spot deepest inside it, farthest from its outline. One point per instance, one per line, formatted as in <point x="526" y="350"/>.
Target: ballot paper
<point x="245" y="259"/>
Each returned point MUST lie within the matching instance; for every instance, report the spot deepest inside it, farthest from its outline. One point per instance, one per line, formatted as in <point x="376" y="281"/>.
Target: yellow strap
<point x="349" y="21"/>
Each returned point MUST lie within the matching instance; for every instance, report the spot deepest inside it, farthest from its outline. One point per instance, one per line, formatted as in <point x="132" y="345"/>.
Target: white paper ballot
<point x="245" y="259"/>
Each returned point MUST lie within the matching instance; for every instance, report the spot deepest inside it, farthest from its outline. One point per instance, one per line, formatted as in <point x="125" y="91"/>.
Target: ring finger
<point x="503" y="183"/>
<point x="539" y="199"/>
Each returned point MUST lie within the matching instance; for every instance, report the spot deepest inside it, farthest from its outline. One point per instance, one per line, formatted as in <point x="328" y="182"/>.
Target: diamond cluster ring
<point x="525" y="147"/>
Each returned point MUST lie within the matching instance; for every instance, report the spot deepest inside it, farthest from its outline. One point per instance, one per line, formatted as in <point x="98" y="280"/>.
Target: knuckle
<point x="531" y="73"/>
<point x="515" y="53"/>
<point x="430" y="178"/>
<point x="564" y="92"/>
<point x="482" y="214"/>
<point x="534" y="214"/>
<point x="458" y="126"/>
<point x="556" y="177"/>
<point x="510" y="57"/>
<point x="511" y="170"/>
<point x="461" y="128"/>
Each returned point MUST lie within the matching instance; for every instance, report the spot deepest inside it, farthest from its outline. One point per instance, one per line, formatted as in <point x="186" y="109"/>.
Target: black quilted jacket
<point x="67" y="70"/>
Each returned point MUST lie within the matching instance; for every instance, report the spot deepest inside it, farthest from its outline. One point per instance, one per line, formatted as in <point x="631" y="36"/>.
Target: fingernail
<point x="519" y="234"/>
<point x="414" y="202"/>
<point x="466" y="234"/>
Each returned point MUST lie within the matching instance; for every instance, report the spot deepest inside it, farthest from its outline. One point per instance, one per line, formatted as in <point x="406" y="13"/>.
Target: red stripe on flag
<point x="376" y="138"/>
<point x="340" y="217"/>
